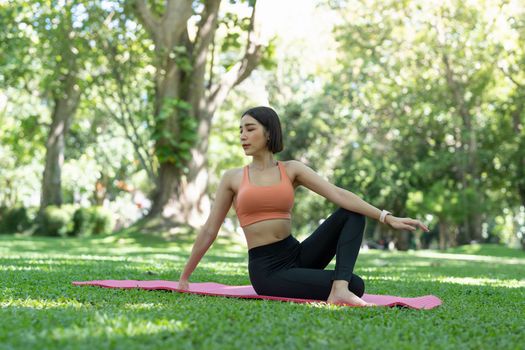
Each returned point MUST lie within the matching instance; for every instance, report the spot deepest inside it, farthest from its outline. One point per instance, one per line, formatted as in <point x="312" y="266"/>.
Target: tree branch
<point x="454" y="87"/>
<point x="174" y="21"/>
<point x="205" y="35"/>
<point x="120" y="121"/>
<point x="206" y="30"/>
<point x="148" y="19"/>
<point x="511" y="78"/>
<point x="242" y="69"/>
<point x="212" y="63"/>
<point x="126" y="116"/>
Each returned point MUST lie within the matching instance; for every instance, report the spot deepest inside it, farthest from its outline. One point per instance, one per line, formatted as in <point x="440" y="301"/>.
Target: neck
<point x="262" y="162"/>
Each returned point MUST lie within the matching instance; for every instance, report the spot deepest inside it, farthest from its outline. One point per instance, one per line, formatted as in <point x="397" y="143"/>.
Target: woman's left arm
<point x="345" y="199"/>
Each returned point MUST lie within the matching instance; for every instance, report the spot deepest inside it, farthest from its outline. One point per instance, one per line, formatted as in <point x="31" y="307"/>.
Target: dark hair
<point x="270" y="120"/>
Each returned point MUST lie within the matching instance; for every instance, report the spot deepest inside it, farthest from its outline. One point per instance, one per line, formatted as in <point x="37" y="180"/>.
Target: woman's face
<point x="253" y="136"/>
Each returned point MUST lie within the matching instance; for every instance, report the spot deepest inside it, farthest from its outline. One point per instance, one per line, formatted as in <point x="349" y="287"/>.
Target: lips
<point x="245" y="146"/>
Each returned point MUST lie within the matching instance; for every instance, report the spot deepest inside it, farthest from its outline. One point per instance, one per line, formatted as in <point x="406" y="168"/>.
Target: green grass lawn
<point x="483" y="299"/>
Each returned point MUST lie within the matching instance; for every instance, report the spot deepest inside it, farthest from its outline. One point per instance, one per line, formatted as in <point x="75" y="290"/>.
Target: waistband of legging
<point x="272" y="248"/>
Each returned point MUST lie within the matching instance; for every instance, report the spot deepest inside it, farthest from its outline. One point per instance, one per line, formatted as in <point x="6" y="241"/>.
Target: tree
<point x="421" y="80"/>
<point x="58" y="38"/>
<point x="186" y="98"/>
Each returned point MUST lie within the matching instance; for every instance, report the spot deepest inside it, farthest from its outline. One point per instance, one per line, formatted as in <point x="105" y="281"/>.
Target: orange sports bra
<point x="257" y="203"/>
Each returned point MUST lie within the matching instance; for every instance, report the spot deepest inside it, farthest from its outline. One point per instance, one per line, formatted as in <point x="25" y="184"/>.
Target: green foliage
<point x="24" y="143"/>
<point x="268" y="59"/>
<point x="56" y="221"/>
<point x="388" y="121"/>
<point x="14" y="220"/>
<point x="92" y="221"/>
<point x="174" y="146"/>
<point x="71" y="220"/>
<point x="14" y="58"/>
<point x="182" y="58"/>
<point x="232" y="38"/>
<point x="420" y="82"/>
<point x="235" y="26"/>
<point x="398" y="127"/>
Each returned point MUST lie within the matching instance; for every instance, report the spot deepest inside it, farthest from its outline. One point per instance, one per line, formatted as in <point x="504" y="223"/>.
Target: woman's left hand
<point x="405" y="223"/>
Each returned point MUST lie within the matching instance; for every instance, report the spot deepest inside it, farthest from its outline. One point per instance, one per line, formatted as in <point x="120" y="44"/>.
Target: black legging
<point x="291" y="269"/>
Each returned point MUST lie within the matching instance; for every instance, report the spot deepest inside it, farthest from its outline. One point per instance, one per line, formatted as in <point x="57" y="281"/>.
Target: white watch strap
<point x="383" y="215"/>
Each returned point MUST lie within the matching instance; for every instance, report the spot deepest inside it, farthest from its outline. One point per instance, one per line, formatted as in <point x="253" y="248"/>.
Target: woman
<point x="263" y="194"/>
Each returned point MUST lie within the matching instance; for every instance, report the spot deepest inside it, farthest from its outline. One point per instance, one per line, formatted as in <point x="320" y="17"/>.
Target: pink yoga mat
<point x="217" y="289"/>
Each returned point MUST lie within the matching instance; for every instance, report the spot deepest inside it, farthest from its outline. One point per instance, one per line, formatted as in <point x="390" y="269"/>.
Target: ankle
<point x="340" y="284"/>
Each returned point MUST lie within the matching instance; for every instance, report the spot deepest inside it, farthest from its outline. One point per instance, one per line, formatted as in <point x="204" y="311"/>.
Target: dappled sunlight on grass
<point x="487" y="249"/>
<point x="139" y="306"/>
<point x="39" y="304"/>
<point x="110" y="326"/>
<point x="320" y="305"/>
<point x="118" y="246"/>
<point x="19" y="268"/>
<point x="467" y="257"/>
<point x="481" y="281"/>
<point x="383" y="278"/>
<point x="49" y="259"/>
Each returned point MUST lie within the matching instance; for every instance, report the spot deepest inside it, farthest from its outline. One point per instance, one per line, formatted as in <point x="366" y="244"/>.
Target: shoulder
<point x="294" y="170"/>
<point x="229" y="174"/>
<point x="294" y="165"/>
<point x="305" y="176"/>
<point x="231" y="177"/>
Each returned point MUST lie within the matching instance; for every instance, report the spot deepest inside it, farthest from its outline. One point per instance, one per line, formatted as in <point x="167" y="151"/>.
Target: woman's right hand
<point x="184" y="285"/>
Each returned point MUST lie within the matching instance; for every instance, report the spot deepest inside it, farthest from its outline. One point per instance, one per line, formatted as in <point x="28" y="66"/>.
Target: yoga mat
<point x="217" y="289"/>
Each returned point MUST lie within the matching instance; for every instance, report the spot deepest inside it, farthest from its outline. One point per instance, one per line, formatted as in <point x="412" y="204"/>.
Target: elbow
<point x="209" y="234"/>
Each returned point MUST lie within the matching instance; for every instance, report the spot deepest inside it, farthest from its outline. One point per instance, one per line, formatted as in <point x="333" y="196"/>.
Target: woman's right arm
<point x="208" y="233"/>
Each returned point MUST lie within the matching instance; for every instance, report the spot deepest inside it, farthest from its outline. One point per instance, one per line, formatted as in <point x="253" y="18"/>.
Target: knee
<point x="357" y="285"/>
<point x="359" y="219"/>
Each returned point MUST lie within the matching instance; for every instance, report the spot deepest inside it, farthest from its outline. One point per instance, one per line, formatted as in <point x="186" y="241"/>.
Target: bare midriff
<point x="267" y="232"/>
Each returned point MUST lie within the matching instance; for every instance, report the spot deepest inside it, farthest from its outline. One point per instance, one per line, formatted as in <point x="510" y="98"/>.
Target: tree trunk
<point x="167" y="87"/>
<point x="63" y="111"/>
<point x="443" y="235"/>
<point x="168" y="178"/>
<point x="517" y="123"/>
<point x="192" y="204"/>
<point x="468" y="169"/>
<point x="475" y="217"/>
<point x="403" y="240"/>
<point x="179" y="196"/>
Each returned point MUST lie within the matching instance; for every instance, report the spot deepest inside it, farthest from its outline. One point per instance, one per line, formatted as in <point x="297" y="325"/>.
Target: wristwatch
<point x="383" y="215"/>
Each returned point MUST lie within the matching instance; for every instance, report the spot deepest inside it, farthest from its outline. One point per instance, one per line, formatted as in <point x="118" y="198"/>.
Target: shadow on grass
<point x="496" y="250"/>
<point x="117" y="244"/>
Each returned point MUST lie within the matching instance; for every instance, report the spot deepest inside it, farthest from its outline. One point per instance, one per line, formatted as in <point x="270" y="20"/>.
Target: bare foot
<point x="341" y="295"/>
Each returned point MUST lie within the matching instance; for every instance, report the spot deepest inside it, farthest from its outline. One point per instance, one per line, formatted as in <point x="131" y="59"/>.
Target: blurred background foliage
<point x="417" y="107"/>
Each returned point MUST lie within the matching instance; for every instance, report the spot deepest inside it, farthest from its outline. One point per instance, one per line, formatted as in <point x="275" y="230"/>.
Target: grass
<point x="482" y="289"/>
